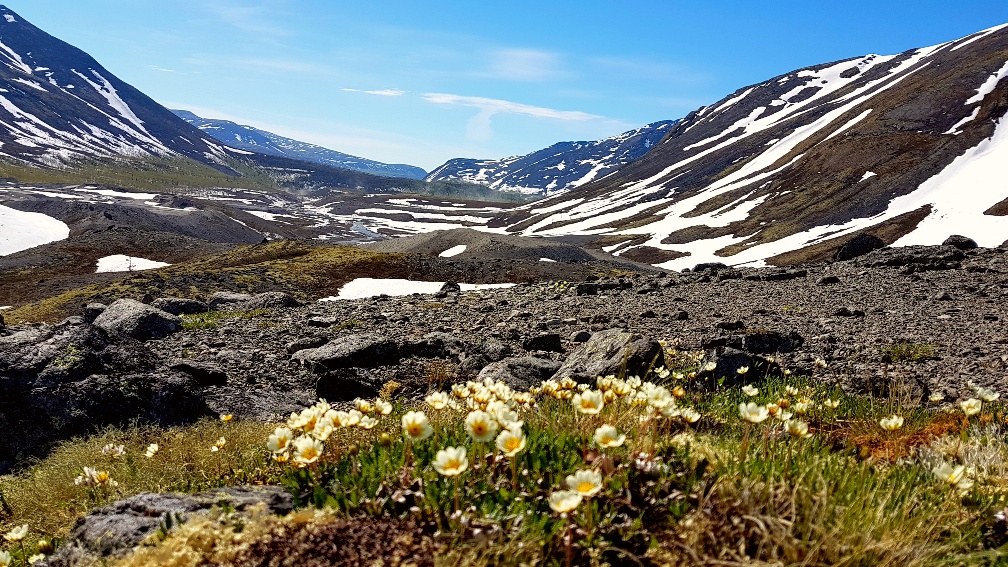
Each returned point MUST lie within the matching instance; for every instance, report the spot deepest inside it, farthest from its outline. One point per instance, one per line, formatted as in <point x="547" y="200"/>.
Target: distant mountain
<point x="560" y="167"/>
<point x="255" y="140"/>
<point x="911" y="148"/>
<point x="59" y="106"/>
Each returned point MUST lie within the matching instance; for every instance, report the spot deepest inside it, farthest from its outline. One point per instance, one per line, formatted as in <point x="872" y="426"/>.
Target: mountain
<point x="263" y="142"/>
<point x="58" y="106"/>
<point x="910" y="148"/>
<point x="560" y="167"/>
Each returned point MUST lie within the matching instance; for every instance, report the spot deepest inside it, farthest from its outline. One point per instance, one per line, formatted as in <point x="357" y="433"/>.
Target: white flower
<point x="936" y="397"/>
<point x="563" y="501"/>
<point x="415" y="426"/>
<point x="750" y="391"/>
<point x="742" y="370"/>
<point x="791" y="391"/>
<point x="507" y="418"/>
<point x="114" y="451"/>
<point x="17" y="534"/>
<point x="753" y="413"/>
<point x="460" y="391"/>
<point x="5" y="559"/>
<point x="803" y="407"/>
<point x="971" y="407"/>
<point x="690" y="415"/>
<point x="783" y="415"/>
<point x="820" y="363"/>
<point x="382" y="407"/>
<point x="307" y="450"/>
<point x="481" y="426"/>
<point x="279" y="440"/>
<point x="832" y="404"/>
<point x="589" y="402"/>
<point x="367" y="422"/>
<point x="987" y="395"/>
<point x="797" y="428"/>
<point x="608" y="436"/>
<point x="218" y="445"/>
<point x="36" y="558"/>
<point x="152" y="450"/>
<point x="586" y="482"/>
<point x="437" y="400"/>
<point x="891" y="423"/>
<point x="364" y="406"/>
<point x="511" y="442"/>
<point x="949" y="474"/>
<point x="451" y="461"/>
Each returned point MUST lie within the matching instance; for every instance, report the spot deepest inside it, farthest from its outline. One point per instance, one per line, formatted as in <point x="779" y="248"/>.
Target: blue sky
<point x="420" y="82"/>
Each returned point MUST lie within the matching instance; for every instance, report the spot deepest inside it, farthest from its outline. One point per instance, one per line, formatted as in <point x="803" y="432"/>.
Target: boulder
<point x="521" y="373"/>
<point x="268" y="300"/>
<point x="130" y="318"/>
<point x="858" y="246"/>
<point x="549" y="342"/>
<point x="91" y="311"/>
<point x="712" y="267"/>
<point x="114" y="530"/>
<point x="204" y="373"/>
<point x="450" y="287"/>
<point x="720" y="367"/>
<point x="305" y="343"/>
<point x="180" y="306"/>
<point x="2" y="324"/>
<point x="613" y="351"/>
<point x="767" y="342"/>
<point x="961" y="242"/>
<point x="351" y="351"/>
<point x="434" y="345"/>
<point x="220" y="299"/>
<point x="586" y="288"/>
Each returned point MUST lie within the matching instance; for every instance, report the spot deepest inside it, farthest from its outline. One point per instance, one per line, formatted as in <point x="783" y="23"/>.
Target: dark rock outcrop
<point x="179" y="306"/>
<point x="858" y="246"/>
<point x="352" y="351"/>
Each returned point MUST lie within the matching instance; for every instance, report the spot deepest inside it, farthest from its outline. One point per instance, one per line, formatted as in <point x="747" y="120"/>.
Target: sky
<point x="420" y="82"/>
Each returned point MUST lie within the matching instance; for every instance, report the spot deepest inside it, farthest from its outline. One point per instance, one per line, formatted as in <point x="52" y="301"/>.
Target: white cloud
<point x="479" y="128"/>
<point x="162" y="69"/>
<point x="523" y="65"/>
<point x="382" y="92"/>
<point x="258" y="18"/>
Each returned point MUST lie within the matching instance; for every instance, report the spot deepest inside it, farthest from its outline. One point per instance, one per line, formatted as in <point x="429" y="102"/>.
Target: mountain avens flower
<point x="589" y="402"/>
<point x="415" y="426"/>
<point x="451" y="461"/>
<point x="226" y="417"/>
<point x="586" y="482"/>
<point x="511" y="442"/>
<point x="690" y="415"/>
<point x="750" y="390"/>
<point x="742" y="370"/>
<point x="564" y="501"/>
<point x="382" y="407"/>
<point x="279" y="440"/>
<point x="936" y="397"/>
<point x="114" y="451"/>
<point x="307" y="450"/>
<point x="797" y="428"/>
<point x="481" y="426"/>
<point x="891" y="423"/>
<point x="5" y="559"/>
<point x="608" y="436"/>
<point x="218" y="445"/>
<point x="753" y="413"/>
<point x="437" y="400"/>
<point x="152" y="450"/>
<point x="17" y="534"/>
<point x="971" y="407"/>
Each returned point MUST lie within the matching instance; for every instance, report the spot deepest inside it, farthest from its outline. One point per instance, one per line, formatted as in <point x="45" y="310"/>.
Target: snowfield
<point x="123" y="263"/>
<point x="20" y="230"/>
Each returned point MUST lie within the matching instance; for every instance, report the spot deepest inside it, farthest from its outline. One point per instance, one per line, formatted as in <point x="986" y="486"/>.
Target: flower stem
<point x="745" y="443"/>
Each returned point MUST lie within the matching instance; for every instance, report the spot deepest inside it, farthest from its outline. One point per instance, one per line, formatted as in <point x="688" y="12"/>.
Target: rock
<point x="472" y="365"/>
<point x="848" y="312"/>
<point x="268" y="300"/>
<point x="305" y="343"/>
<point x="828" y="280"/>
<point x="548" y="342"/>
<point x="943" y="296"/>
<point x="768" y="342"/>
<point x="352" y="351"/>
<point x="580" y="337"/>
<point x="726" y="363"/>
<point x="91" y="311"/>
<point x="345" y="384"/>
<point x="451" y="287"/>
<point x="712" y="267"/>
<point x="114" y="530"/>
<point x="323" y="321"/>
<point x="180" y="306"/>
<point x="586" y="288"/>
<point x="649" y="314"/>
<point x="204" y="373"/>
<point x="128" y="317"/>
<point x="858" y="246"/>
<point x="521" y="373"/>
<point x="434" y="345"/>
<point x="609" y="352"/>
<point x="495" y="350"/>
<point x="218" y="300"/>
<point x="961" y="242"/>
<point x="680" y="315"/>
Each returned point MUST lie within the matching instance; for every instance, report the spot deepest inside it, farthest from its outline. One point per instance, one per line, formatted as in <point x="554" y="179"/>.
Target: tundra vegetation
<point x="627" y="470"/>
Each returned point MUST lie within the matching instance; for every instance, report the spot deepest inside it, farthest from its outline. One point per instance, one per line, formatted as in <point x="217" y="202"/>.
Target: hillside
<point x="911" y="148"/>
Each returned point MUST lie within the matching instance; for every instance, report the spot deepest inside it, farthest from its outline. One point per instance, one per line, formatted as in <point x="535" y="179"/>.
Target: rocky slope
<point x="562" y="166"/>
<point x="910" y="147"/>
<point x="263" y="142"/>
<point x="272" y="355"/>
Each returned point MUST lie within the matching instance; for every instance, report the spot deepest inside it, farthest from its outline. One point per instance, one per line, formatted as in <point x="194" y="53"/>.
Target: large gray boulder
<point x="613" y="351"/>
<point x="114" y="530"/>
<point x="522" y="372"/>
<point x="130" y="318"/>
<point x="352" y="351"/>
<point x="219" y="300"/>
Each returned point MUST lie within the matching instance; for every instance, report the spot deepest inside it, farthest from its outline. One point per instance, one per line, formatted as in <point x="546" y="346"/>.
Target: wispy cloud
<point x="523" y="65"/>
<point x="256" y="17"/>
<point x="382" y="92"/>
<point x="162" y="69"/>
<point x="479" y="127"/>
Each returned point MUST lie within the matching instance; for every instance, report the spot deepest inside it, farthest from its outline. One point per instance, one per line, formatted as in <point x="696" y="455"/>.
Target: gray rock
<point x="613" y="351"/>
<point x="268" y="300"/>
<point x="767" y="342"/>
<point x="548" y="342"/>
<point x="114" y="530"/>
<point x="472" y="365"/>
<point x="451" y="287"/>
<point x="434" y="345"/>
<point x="179" y="306"/>
<point x="495" y="350"/>
<point x="130" y="318"/>
<point x="204" y="373"/>
<point x="680" y="315"/>
<point x="305" y="343"/>
<point x="91" y="311"/>
<point x="828" y="280"/>
<point x="521" y="373"/>
<point x="726" y="363"/>
<point x="858" y="246"/>
<point x="961" y="242"/>
<point x="352" y="351"/>
<point x="580" y="336"/>
<point x="222" y="298"/>
<point x="586" y="288"/>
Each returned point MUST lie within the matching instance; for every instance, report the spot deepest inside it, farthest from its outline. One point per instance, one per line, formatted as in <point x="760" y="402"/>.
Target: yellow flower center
<point x="585" y="486"/>
<point x="453" y="465"/>
<point x="103" y="477"/>
<point x="511" y="444"/>
<point x="480" y="429"/>
<point x="310" y="453"/>
<point x="414" y="430"/>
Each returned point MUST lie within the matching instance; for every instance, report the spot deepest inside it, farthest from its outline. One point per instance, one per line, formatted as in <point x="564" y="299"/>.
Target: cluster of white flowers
<point x="93" y="478"/>
<point x="114" y="451"/>
<point x="302" y="439"/>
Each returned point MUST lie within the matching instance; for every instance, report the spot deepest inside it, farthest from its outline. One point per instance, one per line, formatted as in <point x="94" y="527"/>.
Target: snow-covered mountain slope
<point x="261" y="141"/>
<point x="560" y="167"/>
<point x="59" y="106"/>
<point x="910" y="147"/>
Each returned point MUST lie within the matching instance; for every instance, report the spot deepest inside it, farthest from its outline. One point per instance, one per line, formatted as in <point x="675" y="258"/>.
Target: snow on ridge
<point x="977" y="36"/>
<point x="989" y="85"/>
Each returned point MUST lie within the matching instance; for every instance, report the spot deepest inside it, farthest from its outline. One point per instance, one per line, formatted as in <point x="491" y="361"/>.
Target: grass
<point x="673" y="493"/>
<point x="908" y="352"/>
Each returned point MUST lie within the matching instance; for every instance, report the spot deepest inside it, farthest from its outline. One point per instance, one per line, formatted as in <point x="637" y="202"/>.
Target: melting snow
<point x="867" y="175"/>
<point x="122" y="194"/>
<point x="956" y="129"/>
<point x="20" y="230"/>
<point x="123" y="263"/>
<point x="9" y="18"/>
<point x="371" y="287"/>
<point x="988" y="85"/>
<point x="453" y="251"/>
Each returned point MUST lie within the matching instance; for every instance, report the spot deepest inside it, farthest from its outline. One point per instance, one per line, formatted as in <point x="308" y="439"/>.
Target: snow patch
<point x="955" y="130"/>
<point x="867" y="175"/>
<point x="361" y="288"/>
<point x="988" y="85"/>
<point x="20" y="230"/>
<point x="453" y="251"/>
<point x="10" y="19"/>
<point x="124" y="263"/>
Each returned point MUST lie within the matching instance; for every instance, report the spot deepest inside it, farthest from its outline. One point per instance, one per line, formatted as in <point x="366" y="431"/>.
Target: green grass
<point x="908" y="352"/>
<point x="850" y="494"/>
